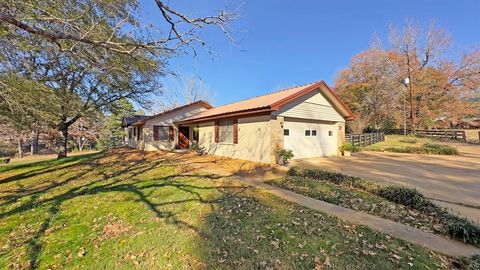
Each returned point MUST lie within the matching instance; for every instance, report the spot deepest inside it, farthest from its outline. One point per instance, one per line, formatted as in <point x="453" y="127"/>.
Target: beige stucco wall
<point x="276" y="135"/>
<point x="340" y="136"/>
<point x="167" y="119"/>
<point x="133" y="142"/>
<point x="254" y="140"/>
<point x="148" y="144"/>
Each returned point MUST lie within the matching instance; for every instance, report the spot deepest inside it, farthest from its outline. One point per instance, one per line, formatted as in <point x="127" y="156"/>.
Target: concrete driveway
<point x="451" y="181"/>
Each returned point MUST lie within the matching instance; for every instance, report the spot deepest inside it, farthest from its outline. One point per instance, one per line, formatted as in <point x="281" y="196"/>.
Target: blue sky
<point x="287" y="43"/>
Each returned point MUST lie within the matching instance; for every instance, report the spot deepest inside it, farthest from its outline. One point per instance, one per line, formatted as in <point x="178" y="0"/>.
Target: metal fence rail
<point x="365" y="139"/>
<point x="438" y="134"/>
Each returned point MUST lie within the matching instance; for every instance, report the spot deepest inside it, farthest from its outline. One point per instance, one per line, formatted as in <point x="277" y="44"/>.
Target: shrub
<point x="350" y="147"/>
<point x="283" y="155"/>
<point x="411" y="141"/>
<point x="461" y="228"/>
<point x="472" y="262"/>
<point x="456" y="226"/>
<point x="201" y="150"/>
<point x="4" y="160"/>
<point x="427" y="148"/>
<point x="406" y="196"/>
<point x="440" y="149"/>
<point x="293" y="171"/>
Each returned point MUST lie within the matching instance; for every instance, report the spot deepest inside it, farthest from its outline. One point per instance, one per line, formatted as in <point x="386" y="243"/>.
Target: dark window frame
<point x="330" y="133"/>
<point x="307" y="132"/>
<point x="314" y="132"/>
<point x="286" y="132"/>
<point x="156" y="132"/>
<point x="139" y="133"/>
<point x="226" y="131"/>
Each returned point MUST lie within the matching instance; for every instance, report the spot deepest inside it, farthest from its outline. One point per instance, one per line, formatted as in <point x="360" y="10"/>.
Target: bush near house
<point x="350" y="147"/>
<point x="455" y="226"/>
<point x="283" y="155"/>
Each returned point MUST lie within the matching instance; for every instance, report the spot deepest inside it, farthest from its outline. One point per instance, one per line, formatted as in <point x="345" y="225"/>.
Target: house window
<point x="139" y="133"/>
<point x="286" y="132"/>
<point x="314" y="133"/>
<point x="330" y="133"/>
<point x="307" y="132"/>
<point x="129" y="133"/>
<point x="160" y="133"/>
<point x="225" y="131"/>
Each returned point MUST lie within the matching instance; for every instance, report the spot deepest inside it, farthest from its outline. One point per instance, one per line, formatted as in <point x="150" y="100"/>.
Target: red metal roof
<point x="269" y="102"/>
<point x="202" y="103"/>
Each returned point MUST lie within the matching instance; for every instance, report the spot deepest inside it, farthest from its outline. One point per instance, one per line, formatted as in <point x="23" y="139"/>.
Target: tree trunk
<point x="20" y="150"/>
<point x="80" y="144"/>
<point x="62" y="153"/>
<point x="34" y="142"/>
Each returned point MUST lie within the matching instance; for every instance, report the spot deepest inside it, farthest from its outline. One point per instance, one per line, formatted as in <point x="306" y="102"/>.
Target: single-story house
<point x="308" y="119"/>
<point x="160" y="131"/>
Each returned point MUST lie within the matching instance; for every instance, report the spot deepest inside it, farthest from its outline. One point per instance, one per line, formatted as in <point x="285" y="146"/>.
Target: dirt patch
<point x="191" y="162"/>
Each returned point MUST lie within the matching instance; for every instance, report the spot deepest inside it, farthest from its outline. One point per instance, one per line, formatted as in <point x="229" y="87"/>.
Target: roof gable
<point x="130" y="119"/>
<point x="200" y="103"/>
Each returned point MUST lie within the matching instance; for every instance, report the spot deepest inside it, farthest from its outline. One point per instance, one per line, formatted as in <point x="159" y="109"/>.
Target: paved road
<point x="452" y="181"/>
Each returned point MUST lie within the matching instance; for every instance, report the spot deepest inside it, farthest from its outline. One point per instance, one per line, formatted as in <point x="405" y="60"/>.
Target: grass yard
<point x="396" y="203"/>
<point x="132" y="210"/>
<point x="360" y="200"/>
<point x="412" y="144"/>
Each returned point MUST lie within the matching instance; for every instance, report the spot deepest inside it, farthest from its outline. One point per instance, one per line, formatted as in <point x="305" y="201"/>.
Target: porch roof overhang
<point x="245" y="113"/>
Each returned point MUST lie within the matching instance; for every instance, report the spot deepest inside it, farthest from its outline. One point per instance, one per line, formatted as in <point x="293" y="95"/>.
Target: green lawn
<point x="128" y="210"/>
<point x="411" y="144"/>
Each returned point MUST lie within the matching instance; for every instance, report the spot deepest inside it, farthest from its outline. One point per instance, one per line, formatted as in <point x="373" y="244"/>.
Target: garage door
<point x="310" y="139"/>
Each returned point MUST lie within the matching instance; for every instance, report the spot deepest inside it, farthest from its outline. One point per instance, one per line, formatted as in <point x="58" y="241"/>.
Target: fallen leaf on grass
<point x="81" y="252"/>
<point x="318" y="263"/>
<point x="327" y="262"/>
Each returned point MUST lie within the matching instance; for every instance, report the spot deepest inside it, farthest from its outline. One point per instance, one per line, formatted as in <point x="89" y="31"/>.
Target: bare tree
<point x="419" y="50"/>
<point x="187" y="90"/>
<point x="94" y="53"/>
<point x="62" y="23"/>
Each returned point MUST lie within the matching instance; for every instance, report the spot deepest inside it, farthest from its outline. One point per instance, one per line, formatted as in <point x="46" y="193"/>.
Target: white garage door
<point x="310" y="139"/>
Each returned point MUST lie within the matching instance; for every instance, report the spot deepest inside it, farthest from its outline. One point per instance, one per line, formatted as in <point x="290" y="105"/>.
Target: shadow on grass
<point x="242" y="230"/>
<point x="45" y="166"/>
<point x="127" y="179"/>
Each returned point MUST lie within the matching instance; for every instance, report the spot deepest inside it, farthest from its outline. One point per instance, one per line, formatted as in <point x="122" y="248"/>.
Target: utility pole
<point x="412" y="110"/>
<point x="406" y="82"/>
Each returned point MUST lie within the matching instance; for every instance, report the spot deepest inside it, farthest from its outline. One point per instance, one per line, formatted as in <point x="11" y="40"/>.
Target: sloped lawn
<point x="131" y="210"/>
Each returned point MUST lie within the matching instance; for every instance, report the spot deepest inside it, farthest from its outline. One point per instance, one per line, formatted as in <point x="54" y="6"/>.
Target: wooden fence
<point x="437" y="134"/>
<point x="365" y="139"/>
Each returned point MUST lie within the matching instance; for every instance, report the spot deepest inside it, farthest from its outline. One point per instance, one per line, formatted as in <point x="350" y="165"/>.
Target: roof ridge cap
<point x="271" y="93"/>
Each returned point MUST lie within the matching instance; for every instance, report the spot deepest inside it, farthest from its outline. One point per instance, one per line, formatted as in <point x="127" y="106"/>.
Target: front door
<point x="183" y="141"/>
